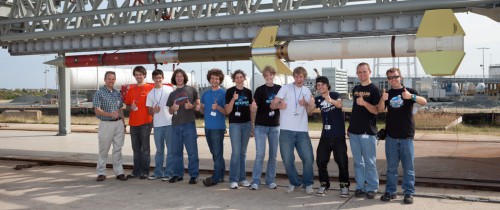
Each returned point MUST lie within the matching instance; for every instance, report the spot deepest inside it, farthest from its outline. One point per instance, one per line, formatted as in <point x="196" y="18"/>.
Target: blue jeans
<point x="163" y="137"/>
<point x="185" y="135"/>
<point x="140" y="136"/>
<point x="215" y="140"/>
<point x="272" y="134"/>
<point x="288" y="141"/>
<point x="400" y="150"/>
<point x="239" y="133"/>
<point x="364" y="153"/>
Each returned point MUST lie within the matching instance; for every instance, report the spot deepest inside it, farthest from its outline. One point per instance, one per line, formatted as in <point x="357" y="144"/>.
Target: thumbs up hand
<point x="235" y="96"/>
<point x="406" y="94"/>
<point x="385" y="95"/>
<point x="188" y="105"/>
<point x="360" y="101"/>
<point x="282" y="104"/>
<point x="302" y="101"/>
<point x="253" y="107"/>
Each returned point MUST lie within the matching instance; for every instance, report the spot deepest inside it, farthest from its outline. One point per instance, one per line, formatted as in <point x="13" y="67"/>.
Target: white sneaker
<point x="233" y="185"/>
<point x="290" y="189"/>
<point x="254" y="186"/>
<point x="165" y="179"/>
<point x="321" y="191"/>
<point x="344" y="192"/>
<point x="309" y="189"/>
<point x="245" y="183"/>
<point x="272" y="186"/>
<point x="152" y="177"/>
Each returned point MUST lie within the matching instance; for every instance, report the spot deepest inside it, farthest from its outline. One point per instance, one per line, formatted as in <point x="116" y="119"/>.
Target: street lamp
<point x="483" y="48"/>
<point x="45" y="73"/>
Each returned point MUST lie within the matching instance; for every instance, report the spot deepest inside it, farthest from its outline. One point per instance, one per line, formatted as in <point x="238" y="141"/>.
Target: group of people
<point x="276" y="115"/>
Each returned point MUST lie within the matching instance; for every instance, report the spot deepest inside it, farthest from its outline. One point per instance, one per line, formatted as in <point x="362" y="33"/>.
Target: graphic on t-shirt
<point x="326" y="107"/>
<point x="181" y="98"/>
<point x="270" y="98"/>
<point x="396" y="102"/>
<point x="242" y="101"/>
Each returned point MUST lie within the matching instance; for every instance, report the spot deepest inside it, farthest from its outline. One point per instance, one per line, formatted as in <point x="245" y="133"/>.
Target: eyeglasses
<point x="392" y="77"/>
<point x="157" y="77"/>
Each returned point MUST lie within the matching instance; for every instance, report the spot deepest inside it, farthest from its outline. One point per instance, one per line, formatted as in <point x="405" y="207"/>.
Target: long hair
<point x="183" y="74"/>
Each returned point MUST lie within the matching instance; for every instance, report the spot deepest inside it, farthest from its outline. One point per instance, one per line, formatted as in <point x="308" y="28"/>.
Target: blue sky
<point x="28" y="71"/>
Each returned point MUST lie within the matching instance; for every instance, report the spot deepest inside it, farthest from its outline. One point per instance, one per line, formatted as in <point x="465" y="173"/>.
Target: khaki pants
<point x="110" y="132"/>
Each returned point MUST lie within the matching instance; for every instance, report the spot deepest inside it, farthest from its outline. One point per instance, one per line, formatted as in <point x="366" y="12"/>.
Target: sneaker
<point x="309" y="189"/>
<point x="233" y="185"/>
<point x="208" y="182"/>
<point x="272" y="186"/>
<point x="165" y="179"/>
<point x="254" y="186"/>
<point x="321" y="191"/>
<point x="387" y="196"/>
<point x="290" y="189"/>
<point x="408" y="199"/>
<point x="175" y="179"/>
<point x="371" y="194"/>
<point x="132" y="176"/>
<point x="100" y="178"/>
<point x="359" y="193"/>
<point x="344" y="192"/>
<point x="153" y="177"/>
<point x="143" y="177"/>
<point x="245" y="183"/>
<point x="193" y="180"/>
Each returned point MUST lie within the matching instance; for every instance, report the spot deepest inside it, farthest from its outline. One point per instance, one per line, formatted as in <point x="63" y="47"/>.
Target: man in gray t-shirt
<point x="183" y="103"/>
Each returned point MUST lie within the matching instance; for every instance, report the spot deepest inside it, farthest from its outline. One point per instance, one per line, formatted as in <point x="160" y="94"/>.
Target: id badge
<point x="364" y="136"/>
<point x="327" y="127"/>
<point x="237" y="114"/>
<point x="271" y="113"/>
<point x="213" y="113"/>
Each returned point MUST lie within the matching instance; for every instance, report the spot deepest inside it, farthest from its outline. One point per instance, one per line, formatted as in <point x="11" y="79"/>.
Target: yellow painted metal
<point x="441" y="22"/>
<point x="262" y="61"/>
<point x="266" y="37"/>
<point x="442" y="63"/>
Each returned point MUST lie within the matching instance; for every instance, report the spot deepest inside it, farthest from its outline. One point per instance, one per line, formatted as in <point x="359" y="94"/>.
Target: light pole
<point x="483" y="48"/>
<point x="45" y="73"/>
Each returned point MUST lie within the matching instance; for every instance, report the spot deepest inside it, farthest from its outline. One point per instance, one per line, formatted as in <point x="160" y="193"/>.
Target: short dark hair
<point x="393" y="70"/>
<point x="215" y="72"/>
<point x="183" y="74"/>
<point x="109" y="72"/>
<point x="239" y="71"/>
<point x="157" y="72"/>
<point x="364" y="64"/>
<point x="140" y="69"/>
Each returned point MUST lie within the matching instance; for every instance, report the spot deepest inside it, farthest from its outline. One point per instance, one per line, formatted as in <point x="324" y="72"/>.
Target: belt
<point x="112" y="120"/>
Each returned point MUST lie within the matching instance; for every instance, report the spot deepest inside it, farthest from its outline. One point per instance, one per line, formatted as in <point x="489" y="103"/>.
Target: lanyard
<point x="161" y="95"/>
<point x="296" y="99"/>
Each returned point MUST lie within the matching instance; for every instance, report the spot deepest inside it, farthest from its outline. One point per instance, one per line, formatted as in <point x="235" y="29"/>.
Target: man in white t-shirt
<point x="294" y="101"/>
<point x="162" y="123"/>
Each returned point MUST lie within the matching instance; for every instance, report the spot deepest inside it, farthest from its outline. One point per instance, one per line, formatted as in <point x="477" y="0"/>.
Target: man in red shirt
<point x="140" y="123"/>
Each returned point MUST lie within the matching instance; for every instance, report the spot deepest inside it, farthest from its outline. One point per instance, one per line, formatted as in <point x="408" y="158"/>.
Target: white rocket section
<point x="91" y="78"/>
<point x="371" y="47"/>
<point x="166" y="56"/>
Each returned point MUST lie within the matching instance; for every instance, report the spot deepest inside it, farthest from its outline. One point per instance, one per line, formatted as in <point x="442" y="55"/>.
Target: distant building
<point x="494" y="71"/>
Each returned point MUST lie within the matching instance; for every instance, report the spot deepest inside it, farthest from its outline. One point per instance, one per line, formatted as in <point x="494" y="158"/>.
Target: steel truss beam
<point x="90" y="25"/>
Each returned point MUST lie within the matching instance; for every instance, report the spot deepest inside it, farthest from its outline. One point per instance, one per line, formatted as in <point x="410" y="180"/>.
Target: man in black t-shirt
<point x="362" y="130"/>
<point x="332" y="138"/>
<point x="400" y="127"/>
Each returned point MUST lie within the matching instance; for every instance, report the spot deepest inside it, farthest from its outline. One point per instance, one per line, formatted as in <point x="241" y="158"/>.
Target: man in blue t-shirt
<point x="212" y="106"/>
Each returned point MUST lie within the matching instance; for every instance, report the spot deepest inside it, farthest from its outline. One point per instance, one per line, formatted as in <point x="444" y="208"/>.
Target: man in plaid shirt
<point x="108" y="108"/>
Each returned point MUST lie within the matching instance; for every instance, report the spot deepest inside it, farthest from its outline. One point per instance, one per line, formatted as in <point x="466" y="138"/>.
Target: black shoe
<point x="175" y="179"/>
<point x="122" y="177"/>
<point x="100" y="178"/>
<point x="193" y="180"/>
<point x="143" y="177"/>
<point x="359" y="193"/>
<point x="387" y="197"/>
<point x="208" y="182"/>
<point x="371" y="195"/>
<point x="408" y="199"/>
<point x="132" y="176"/>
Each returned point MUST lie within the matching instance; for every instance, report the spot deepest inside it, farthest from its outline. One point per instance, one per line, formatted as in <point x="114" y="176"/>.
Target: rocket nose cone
<point x="56" y="62"/>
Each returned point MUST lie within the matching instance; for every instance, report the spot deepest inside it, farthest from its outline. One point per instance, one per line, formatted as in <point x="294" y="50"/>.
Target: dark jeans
<point x="326" y="146"/>
<point x="215" y="140"/>
<point x="140" y="145"/>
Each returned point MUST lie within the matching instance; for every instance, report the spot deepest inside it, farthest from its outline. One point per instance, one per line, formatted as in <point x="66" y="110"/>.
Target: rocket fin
<point x="440" y="23"/>
<point x="441" y="63"/>
<point x="261" y="61"/>
<point x="266" y="37"/>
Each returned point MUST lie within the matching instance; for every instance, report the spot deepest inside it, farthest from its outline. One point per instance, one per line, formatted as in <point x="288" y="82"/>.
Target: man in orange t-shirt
<point x="140" y="123"/>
